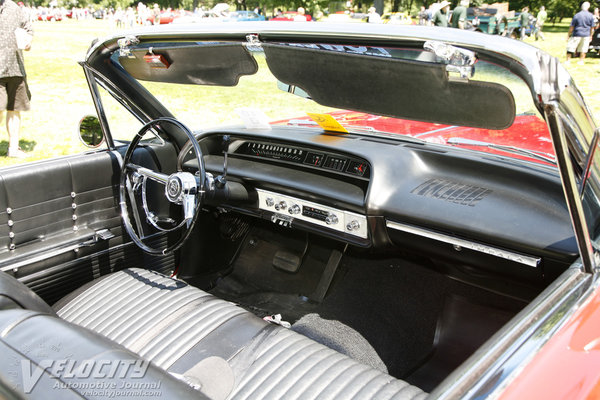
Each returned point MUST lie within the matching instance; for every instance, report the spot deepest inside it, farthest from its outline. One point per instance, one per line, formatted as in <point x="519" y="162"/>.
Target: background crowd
<point x="452" y="13"/>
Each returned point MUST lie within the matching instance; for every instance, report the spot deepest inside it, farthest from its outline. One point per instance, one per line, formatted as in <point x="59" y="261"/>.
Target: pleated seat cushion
<point x="183" y="330"/>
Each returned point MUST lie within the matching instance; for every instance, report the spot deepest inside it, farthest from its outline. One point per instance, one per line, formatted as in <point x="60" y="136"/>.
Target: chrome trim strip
<point x="71" y="246"/>
<point x="554" y="119"/>
<point x="41" y="257"/>
<point x="530" y="261"/>
<point x="589" y="161"/>
<point x="345" y="221"/>
<point x="91" y="81"/>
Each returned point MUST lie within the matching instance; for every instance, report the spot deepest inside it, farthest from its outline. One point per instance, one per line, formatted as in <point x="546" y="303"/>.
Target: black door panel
<point x="60" y="224"/>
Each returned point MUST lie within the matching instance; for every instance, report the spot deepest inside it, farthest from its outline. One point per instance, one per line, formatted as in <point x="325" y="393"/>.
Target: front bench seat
<point x="217" y="347"/>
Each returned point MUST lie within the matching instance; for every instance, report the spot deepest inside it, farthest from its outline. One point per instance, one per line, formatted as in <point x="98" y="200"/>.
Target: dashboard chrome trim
<point x="530" y="261"/>
<point x="294" y="208"/>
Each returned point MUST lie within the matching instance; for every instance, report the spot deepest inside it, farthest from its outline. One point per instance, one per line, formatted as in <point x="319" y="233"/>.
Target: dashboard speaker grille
<point x="454" y="192"/>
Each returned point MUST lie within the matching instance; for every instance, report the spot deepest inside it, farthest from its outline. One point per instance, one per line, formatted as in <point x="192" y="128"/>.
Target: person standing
<point x="15" y="36"/>
<point x="580" y="33"/>
<point x="440" y="18"/>
<point x="373" y="16"/>
<point x="423" y="16"/>
<point x="459" y="15"/>
<point x="524" y="21"/>
<point x="542" y="15"/>
<point x="301" y="15"/>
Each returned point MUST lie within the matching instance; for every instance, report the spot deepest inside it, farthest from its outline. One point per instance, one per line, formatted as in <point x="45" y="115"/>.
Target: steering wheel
<point x="181" y="188"/>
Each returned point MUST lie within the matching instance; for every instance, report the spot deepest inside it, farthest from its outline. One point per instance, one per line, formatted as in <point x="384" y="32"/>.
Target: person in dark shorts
<point x="524" y="21"/>
<point x="15" y="36"/>
<point x="580" y="33"/>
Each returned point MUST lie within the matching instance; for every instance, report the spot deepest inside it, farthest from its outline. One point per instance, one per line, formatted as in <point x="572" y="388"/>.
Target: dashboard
<point x="477" y="209"/>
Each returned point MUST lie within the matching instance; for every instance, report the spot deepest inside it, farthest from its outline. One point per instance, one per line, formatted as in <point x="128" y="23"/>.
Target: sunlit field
<point x="61" y="95"/>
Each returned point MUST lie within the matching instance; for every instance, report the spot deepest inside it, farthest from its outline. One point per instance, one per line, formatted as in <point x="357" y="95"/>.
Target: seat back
<point x="46" y="357"/>
<point x="14" y="294"/>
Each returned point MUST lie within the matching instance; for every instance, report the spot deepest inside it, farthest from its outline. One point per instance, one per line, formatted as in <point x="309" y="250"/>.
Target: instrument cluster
<point x="315" y="159"/>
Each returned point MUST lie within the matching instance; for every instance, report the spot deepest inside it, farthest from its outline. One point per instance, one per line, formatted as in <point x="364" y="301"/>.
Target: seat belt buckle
<point x="277" y="320"/>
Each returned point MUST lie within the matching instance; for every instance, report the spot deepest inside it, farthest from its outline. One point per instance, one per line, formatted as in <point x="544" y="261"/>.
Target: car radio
<point x="287" y="208"/>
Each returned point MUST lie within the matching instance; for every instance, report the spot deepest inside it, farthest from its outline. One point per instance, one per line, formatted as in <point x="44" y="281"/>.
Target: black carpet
<point x="419" y="322"/>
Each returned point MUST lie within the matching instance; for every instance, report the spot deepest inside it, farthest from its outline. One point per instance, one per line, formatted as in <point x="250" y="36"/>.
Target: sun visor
<point x="214" y="64"/>
<point x="397" y="88"/>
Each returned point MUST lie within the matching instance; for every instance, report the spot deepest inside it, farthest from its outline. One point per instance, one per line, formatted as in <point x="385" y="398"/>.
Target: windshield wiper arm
<point x="361" y="129"/>
<point x="389" y="135"/>
<point x="538" y="155"/>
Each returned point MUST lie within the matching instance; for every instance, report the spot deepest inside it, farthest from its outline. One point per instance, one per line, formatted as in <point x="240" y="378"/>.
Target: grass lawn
<point x="61" y="96"/>
<point x="585" y="76"/>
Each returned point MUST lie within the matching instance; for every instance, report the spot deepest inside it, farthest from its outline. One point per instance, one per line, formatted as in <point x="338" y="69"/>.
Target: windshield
<point x="260" y="99"/>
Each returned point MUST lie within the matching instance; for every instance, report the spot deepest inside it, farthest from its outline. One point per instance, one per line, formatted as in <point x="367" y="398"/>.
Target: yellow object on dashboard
<point x="327" y="122"/>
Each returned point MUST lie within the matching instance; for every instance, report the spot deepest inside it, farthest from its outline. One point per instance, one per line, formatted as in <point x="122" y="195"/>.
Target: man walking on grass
<point x="15" y="36"/>
<point x="542" y="15"/>
<point x="524" y="21"/>
<point x="580" y="33"/>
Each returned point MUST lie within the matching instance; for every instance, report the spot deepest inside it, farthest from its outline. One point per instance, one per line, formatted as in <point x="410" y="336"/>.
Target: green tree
<point x="557" y="9"/>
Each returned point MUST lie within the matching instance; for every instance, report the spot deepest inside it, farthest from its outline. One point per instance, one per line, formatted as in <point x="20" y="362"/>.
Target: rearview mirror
<point x="90" y="131"/>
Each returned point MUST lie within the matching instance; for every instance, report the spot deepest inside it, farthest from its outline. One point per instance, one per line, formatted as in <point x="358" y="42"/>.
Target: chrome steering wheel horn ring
<point x="182" y="188"/>
<point x="179" y="185"/>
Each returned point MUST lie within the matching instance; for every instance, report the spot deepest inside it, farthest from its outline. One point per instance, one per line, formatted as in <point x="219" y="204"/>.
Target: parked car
<point x="309" y="211"/>
<point x="490" y="20"/>
<point x="198" y="17"/>
<point x="486" y="20"/>
<point x="169" y="16"/>
<point x="513" y="26"/>
<point x="49" y="14"/>
<point x="289" y="16"/>
<point x="595" y="42"/>
<point x="242" y="15"/>
<point x="397" y="18"/>
<point x="345" y="17"/>
<point x="99" y="13"/>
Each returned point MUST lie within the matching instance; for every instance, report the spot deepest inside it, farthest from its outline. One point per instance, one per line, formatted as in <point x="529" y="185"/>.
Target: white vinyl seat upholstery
<point x="183" y="330"/>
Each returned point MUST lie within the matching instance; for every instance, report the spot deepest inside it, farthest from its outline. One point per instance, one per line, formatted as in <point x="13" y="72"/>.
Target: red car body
<point x="289" y="16"/>
<point x="567" y="366"/>
<point x="527" y="132"/>
<point x="167" y="17"/>
<point x="49" y="16"/>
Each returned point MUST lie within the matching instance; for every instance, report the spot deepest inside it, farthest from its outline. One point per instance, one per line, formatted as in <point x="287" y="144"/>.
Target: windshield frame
<point x="549" y="82"/>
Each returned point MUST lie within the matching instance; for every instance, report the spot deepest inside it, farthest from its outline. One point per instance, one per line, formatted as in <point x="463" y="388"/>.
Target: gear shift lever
<point x="221" y="180"/>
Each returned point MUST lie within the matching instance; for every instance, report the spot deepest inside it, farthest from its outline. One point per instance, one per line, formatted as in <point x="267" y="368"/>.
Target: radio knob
<point x="331" y="219"/>
<point x="270" y="202"/>
<point x="281" y="205"/>
<point x="294" y="209"/>
<point x="353" y="225"/>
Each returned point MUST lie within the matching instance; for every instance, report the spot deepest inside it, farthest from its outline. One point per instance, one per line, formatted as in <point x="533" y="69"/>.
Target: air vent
<point x="454" y="192"/>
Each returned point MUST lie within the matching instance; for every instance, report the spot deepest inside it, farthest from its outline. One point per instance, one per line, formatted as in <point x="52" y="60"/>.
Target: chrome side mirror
<point x="90" y="131"/>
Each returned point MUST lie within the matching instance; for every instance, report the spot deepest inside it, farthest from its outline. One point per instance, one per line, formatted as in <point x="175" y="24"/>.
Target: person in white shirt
<point x="374" y="17"/>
